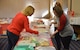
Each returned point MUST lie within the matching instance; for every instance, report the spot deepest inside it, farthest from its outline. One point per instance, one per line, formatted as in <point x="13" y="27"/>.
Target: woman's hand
<point x="54" y="33"/>
<point x="37" y="33"/>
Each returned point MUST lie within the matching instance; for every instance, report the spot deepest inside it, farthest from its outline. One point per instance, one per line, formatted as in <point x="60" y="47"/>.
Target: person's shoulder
<point x="63" y="16"/>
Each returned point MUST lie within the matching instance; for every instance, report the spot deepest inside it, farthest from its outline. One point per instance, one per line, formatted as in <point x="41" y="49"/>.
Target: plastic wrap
<point x="45" y="48"/>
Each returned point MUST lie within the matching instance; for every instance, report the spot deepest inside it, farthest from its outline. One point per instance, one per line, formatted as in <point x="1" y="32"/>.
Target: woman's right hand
<point x="36" y="32"/>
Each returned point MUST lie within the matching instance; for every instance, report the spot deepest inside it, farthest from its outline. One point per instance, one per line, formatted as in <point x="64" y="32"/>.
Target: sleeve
<point x="26" y="26"/>
<point x="62" y="23"/>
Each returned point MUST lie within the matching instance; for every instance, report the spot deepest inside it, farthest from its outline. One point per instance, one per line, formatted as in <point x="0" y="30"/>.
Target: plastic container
<point x="45" y="48"/>
<point x="25" y="47"/>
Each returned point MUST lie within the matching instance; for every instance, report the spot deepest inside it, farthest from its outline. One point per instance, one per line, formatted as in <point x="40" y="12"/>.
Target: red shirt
<point x="62" y="23"/>
<point x="20" y="22"/>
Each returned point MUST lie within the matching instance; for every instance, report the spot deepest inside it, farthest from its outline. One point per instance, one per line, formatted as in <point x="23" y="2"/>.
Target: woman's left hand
<point x="54" y="33"/>
<point x="52" y="36"/>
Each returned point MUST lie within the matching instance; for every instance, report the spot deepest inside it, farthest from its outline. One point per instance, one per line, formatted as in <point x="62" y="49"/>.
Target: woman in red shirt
<point x="19" y="22"/>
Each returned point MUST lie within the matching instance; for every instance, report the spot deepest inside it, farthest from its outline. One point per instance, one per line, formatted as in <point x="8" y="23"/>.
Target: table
<point x="18" y="43"/>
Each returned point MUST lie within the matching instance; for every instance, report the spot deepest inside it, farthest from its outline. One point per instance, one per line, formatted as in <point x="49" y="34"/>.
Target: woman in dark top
<point x="57" y="36"/>
<point x="64" y="28"/>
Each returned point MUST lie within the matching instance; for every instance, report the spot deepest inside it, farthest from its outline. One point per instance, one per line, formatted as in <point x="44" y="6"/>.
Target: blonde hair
<point x="28" y="11"/>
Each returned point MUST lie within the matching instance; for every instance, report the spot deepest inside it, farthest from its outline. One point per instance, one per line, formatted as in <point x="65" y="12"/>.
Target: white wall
<point x="8" y="8"/>
<point x="76" y="7"/>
